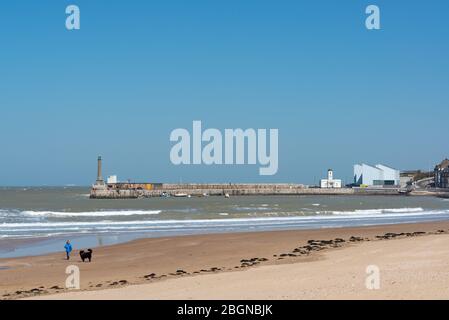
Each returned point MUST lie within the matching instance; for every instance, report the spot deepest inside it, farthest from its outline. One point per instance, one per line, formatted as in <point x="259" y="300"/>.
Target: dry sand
<point x="414" y="266"/>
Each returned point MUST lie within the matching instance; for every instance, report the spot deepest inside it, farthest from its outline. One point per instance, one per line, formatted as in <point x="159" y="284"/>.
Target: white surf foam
<point x="377" y="211"/>
<point x="295" y="219"/>
<point x="205" y="222"/>
<point x="90" y="213"/>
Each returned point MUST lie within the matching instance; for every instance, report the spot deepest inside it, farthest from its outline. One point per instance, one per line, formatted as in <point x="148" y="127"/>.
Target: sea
<point x="38" y="220"/>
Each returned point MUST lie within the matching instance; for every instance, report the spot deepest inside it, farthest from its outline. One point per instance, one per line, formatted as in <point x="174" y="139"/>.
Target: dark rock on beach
<point x="56" y="288"/>
<point x="355" y="239"/>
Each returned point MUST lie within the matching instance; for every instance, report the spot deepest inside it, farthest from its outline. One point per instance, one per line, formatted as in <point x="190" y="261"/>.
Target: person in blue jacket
<point x="68" y="249"/>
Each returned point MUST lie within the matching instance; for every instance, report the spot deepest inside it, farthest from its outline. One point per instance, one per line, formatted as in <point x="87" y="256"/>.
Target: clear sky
<point x="337" y="92"/>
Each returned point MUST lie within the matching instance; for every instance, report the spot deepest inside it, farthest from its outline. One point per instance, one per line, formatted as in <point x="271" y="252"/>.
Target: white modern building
<point x="112" y="179"/>
<point x="378" y="175"/>
<point x="330" y="182"/>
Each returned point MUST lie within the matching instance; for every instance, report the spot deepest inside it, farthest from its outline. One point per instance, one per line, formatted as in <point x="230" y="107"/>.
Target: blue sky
<point x="338" y="93"/>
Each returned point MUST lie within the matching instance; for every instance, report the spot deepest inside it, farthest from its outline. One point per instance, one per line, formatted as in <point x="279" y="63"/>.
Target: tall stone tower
<point x="100" y="180"/>
<point x="99" y="187"/>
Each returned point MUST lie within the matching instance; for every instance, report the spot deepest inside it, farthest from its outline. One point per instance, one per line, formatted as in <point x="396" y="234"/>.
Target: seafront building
<point x="112" y="179"/>
<point x="441" y="173"/>
<point x="330" y="182"/>
<point x="378" y="175"/>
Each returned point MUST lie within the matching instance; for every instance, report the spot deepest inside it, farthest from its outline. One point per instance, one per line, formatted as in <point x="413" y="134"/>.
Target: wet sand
<point x="413" y="259"/>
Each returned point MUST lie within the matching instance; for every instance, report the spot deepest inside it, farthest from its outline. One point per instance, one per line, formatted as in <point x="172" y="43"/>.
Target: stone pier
<point x="145" y="190"/>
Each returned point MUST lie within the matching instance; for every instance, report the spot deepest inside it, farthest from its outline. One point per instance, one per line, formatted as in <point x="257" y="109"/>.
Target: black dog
<point x="86" y="254"/>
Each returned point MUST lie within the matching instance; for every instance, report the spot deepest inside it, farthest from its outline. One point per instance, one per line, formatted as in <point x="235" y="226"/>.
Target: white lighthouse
<point x="330" y="175"/>
<point x="330" y="182"/>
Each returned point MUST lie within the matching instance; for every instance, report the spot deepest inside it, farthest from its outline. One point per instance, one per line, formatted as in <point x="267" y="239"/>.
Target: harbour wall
<point x="117" y="192"/>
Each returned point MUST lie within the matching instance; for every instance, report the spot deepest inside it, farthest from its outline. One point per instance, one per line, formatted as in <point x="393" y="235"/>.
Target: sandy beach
<point x="413" y="260"/>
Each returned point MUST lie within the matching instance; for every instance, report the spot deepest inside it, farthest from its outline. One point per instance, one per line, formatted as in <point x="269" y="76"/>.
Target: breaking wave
<point x="16" y="223"/>
<point x="378" y="211"/>
<point x="90" y="213"/>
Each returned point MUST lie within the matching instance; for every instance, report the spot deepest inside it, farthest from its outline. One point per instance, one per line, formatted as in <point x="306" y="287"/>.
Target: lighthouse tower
<point x="99" y="183"/>
<point x="100" y="180"/>
<point x="330" y="175"/>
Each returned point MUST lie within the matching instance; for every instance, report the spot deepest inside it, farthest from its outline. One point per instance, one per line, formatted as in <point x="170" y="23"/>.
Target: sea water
<point x="37" y="220"/>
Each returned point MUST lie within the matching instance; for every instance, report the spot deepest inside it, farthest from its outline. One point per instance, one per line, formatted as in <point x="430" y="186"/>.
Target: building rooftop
<point x="444" y="164"/>
<point x="375" y="166"/>
<point x="383" y="165"/>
